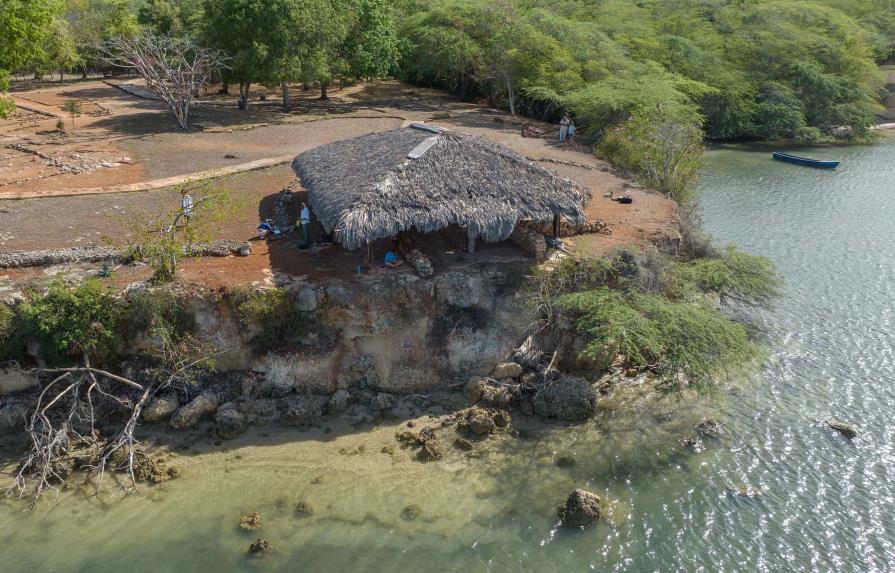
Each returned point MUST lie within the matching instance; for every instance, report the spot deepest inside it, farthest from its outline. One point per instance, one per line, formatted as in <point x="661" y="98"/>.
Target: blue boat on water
<point x="805" y="161"/>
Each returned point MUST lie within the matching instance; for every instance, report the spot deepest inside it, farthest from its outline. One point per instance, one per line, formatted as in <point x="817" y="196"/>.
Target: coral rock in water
<point x="260" y="547"/>
<point x="582" y="509"/>
<point x="250" y="522"/>
<point x="844" y="428"/>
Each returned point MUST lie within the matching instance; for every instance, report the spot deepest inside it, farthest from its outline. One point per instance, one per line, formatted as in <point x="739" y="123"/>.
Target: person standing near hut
<point x="564" y="124"/>
<point x="305" y="218"/>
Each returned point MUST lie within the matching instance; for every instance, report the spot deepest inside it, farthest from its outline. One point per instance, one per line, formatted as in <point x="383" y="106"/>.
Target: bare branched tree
<point x="63" y="428"/>
<point x="171" y="235"/>
<point x="174" y="68"/>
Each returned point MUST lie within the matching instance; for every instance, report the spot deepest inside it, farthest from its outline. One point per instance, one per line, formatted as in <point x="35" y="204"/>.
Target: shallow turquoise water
<point x="827" y="503"/>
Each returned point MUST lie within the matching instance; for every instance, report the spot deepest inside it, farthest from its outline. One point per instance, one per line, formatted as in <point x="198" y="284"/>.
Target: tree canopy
<point x="765" y="69"/>
<point x="738" y="69"/>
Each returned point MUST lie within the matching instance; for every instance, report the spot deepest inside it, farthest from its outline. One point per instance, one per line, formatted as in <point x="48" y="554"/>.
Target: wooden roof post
<point x="470" y="236"/>
<point x="369" y="255"/>
<point x="555" y="226"/>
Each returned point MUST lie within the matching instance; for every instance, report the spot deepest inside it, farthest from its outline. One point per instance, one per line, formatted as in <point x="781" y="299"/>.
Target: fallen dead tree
<point x="65" y="434"/>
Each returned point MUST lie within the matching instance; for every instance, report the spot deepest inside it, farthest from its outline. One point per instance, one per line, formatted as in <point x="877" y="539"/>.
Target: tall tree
<point x="24" y="26"/>
<point x="322" y="42"/>
<point x="372" y="44"/>
<point x="173" y="68"/>
<point x="171" y="17"/>
<point x="258" y="36"/>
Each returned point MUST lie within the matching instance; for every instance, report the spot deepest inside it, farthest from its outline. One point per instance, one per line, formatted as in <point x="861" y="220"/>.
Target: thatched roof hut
<point x="427" y="178"/>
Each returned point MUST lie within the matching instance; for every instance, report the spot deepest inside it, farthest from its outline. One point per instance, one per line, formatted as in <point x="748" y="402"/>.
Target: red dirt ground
<point x="141" y="130"/>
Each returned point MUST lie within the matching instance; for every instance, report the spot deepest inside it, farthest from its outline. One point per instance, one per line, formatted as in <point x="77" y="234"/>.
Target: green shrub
<point x="669" y="338"/>
<point x="9" y="347"/>
<point x="272" y="313"/>
<point x="150" y="311"/>
<point x="735" y="276"/>
<point x="70" y="323"/>
<point x="662" y="151"/>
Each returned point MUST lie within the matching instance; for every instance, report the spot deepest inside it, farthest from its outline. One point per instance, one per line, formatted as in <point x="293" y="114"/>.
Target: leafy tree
<point x="259" y="37"/>
<point x="171" y="17"/>
<point x="93" y="22"/>
<point x="69" y="323"/>
<point x="734" y="67"/>
<point x="58" y="51"/>
<point x="24" y="26"/>
<point x="662" y="150"/>
<point x="321" y="46"/>
<point x="73" y="108"/>
<point x="651" y="332"/>
<point x="371" y="46"/>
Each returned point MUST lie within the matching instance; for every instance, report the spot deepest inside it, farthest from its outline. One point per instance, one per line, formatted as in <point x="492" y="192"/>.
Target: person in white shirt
<point x="305" y="219"/>
<point x="186" y="206"/>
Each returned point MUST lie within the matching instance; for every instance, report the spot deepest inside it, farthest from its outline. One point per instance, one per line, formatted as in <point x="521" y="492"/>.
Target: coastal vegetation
<point x="661" y="315"/>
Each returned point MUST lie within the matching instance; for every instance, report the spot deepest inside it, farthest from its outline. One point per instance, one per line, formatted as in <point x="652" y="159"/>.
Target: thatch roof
<point x="427" y="178"/>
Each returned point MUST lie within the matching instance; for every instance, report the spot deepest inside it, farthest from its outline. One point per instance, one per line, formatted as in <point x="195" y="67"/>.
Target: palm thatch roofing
<point x="427" y="178"/>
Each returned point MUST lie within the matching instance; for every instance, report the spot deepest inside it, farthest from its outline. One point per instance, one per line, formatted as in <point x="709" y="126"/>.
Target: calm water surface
<point x="827" y="504"/>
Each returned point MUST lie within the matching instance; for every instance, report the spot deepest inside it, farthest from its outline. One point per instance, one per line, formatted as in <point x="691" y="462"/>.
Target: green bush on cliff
<point x="272" y="313"/>
<point x="735" y="277"/>
<point x="70" y="323"/>
<point x="8" y="347"/>
<point x="657" y="313"/>
<point x="666" y="337"/>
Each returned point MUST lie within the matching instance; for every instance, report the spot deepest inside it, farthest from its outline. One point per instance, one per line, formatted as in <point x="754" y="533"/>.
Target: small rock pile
<point x="421" y="263"/>
<point x="430" y="447"/>
<point x="282" y="211"/>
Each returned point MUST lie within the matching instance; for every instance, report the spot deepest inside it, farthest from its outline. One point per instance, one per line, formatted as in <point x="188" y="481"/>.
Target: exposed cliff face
<point x="392" y="332"/>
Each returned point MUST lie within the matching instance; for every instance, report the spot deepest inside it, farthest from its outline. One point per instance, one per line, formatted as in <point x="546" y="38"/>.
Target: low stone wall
<point x="532" y="242"/>
<point x="49" y="257"/>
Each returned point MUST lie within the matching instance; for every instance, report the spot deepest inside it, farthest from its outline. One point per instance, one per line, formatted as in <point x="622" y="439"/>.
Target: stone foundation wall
<point x="531" y="241"/>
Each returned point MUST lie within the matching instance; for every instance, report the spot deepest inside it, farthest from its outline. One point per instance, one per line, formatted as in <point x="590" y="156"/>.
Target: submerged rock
<point x="304" y="509"/>
<point x="480" y="422"/>
<point x="250" y="522"/>
<point x="431" y="450"/>
<point x="710" y="429"/>
<point x="230" y="422"/>
<point x="582" y="509"/>
<point x="565" y="462"/>
<point x="692" y="443"/>
<point x="506" y="370"/>
<point x="743" y="490"/>
<point x="844" y="428"/>
<point x="190" y="415"/>
<point x="260" y="547"/>
<point x="463" y="444"/>
<point x="568" y="398"/>
<point x="160" y="408"/>
<point x="411" y="512"/>
<point x="150" y="468"/>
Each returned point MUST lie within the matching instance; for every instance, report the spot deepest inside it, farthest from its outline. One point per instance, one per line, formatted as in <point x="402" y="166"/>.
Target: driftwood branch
<point x="62" y="425"/>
